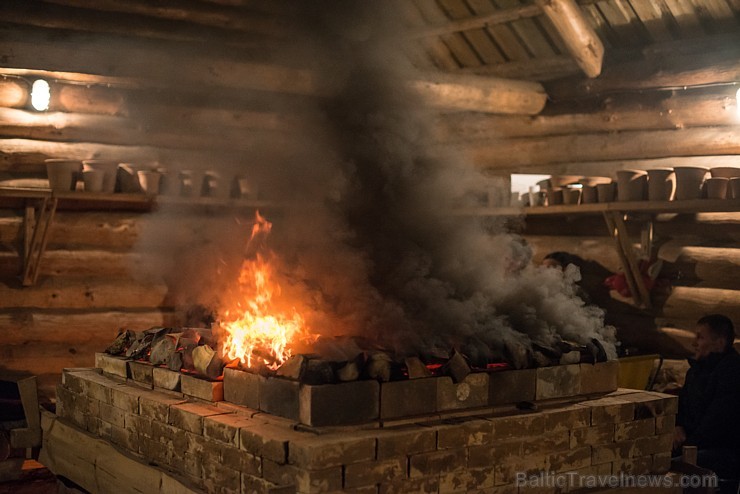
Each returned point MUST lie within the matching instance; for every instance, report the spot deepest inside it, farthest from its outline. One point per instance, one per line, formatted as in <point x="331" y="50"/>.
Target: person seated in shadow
<point x="709" y="402"/>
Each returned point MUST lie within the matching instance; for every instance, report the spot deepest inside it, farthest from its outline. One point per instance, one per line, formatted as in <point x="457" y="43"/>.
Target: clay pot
<point x="725" y="171"/>
<point x="571" y="196"/>
<point x="108" y="168"/>
<point x="606" y="192"/>
<point x="62" y="174"/>
<point x="192" y="183"/>
<point x="589" y="194"/>
<point x="214" y="185"/>
<point x="631" y="185"/>
<point x="594" y="181"/>
<point x="733" y="191"/>
<point x="149" y="180"/>
<point x="717" y="187"/>
<point x="559" y="181"/>
<point x="690" y="182"/>
<point x="661" y="184"/>
<point x="554" y="197"/>
<point x="94" y="180"/>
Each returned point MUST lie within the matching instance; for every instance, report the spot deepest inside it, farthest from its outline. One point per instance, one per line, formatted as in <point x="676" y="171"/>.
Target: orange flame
<point x="255" y="328"/>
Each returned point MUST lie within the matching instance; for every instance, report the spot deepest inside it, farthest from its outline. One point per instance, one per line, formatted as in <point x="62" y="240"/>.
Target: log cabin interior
<point x="373" y="138"/>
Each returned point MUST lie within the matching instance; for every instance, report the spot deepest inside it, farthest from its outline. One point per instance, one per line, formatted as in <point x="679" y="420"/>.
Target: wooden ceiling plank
<point x="458" y="45"/>
<point x="621" y="25"/>
<point x="718" y="11"/>
<point x="502" y="34"/>
<point x="477" y="38"/>
<point x="437" y="51"/>
<point x="528" y="32"/>
<point x="652" y="19"/>
<point x="685" y="17"/>
<point x="581" y="40"/>
<point x="499" y="16"/>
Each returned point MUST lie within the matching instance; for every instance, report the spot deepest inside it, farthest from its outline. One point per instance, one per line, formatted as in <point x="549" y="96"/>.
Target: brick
<point x="466" y="480"/>
<point x="405" y="442"/>
<point x="191" y="464"/>
<point x="126" y="398"/>
<point x="374" y="472"/>
<point x="634" y="429"/>
<point x="649" y="404"/>
<point x="449" y="460"/>
<point x="225" y="428"/>
<point x="548" y="442"/>
<point x="189" y="416"/>
<point x="242" y="387"/>
<point x="174" y="439"/>
<point x="469" y="433"/>
<point x="599" y="434"/>
<point x="308" y="481"/>
<point x="558" y="381"/>
<point x="324" y="452"/>
<point x="112" y="415"/>
<point x="110" y="364"/>
<point x="512" y="426"/>
<point x="203" y="389"/>
<point x="612" y="452"/>
<point x="266" y="440"/>
<point x="472" y="392"/>
<point x="610" y="410"/>
<point x="251" y="484"/>
<point x="141" y="373"/>
<point x="665" y="424"/>
<point x="241" y="460"/>
<point x="408" y="398"/>
<point x="424" y="485"/>
<point x="662" y="443"/>
<point x="280" y="397"/>
<point x="166" y="379"/>
<point x="566" y="418"/>
<point x="218" y="478"/>
<point x="156" y="406"/>
<point x="156" y="451"/>
<point x="500" y="451"/>
<point x="98" y="428"/>
<point x="327" y="405"/>
<point x="566" y="461"/>
<point x="600" y="377"/>
<point x="126" y="438"/>
<point x="511" y="386"/>
<point x="142" y="425"/>
<point x="505" y="472"/>
<point x="634" y="466"/>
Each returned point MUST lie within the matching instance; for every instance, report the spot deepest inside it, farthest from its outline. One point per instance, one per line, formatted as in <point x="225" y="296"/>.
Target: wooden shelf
<point x="689" y="206"/>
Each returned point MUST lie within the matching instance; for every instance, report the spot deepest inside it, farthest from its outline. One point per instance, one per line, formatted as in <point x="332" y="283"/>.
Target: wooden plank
<point x="433" y="46"/>
<point x="529" y="32"/>
<point x="579" y="38"/>
<point x="624" y="251"/>
<point x="685" y="16"/>
<point x="502" y="34"/>
<point x="651" y="18"/>
<point x="540" y="69"/>
<point x="458" y="45"/>
<point x="627" y="145"/>
<point x="633" y="264"/>
<point x="478" y="38"/>
<point x="499" y="16"/>
<point x="79" y="263"/>
<point x="623" y="23"/>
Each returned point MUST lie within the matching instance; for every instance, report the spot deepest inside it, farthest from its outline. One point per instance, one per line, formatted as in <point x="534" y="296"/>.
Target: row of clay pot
<point x="658" y="184"/>
<point x="109" y="177"/>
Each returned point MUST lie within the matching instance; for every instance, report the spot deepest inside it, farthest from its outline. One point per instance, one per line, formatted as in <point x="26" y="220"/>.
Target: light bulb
<point x="40" y="95"/>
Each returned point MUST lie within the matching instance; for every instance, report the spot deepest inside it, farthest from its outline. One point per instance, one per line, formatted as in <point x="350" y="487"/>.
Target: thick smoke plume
<point x="367" y="244"/>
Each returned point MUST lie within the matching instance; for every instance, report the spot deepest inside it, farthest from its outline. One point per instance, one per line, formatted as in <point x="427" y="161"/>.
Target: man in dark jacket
<point x="709" y="403"/>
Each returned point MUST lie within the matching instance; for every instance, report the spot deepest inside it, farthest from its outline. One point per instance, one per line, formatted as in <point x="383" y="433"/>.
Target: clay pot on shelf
<point x="606" y="192"/>
<point x="717" y="187"/>
<point x="661" y="184"/>
<point x="554" y="196"/>
<point x="594" y="181"/>
<point x="62" y="174"/>
<point x="631" y="185"/>
<point x="571" y="195"/>
<point x="589" y="194"/>
<point x="192" y="183"/>
<point x="690" y="182"/>
<point x="733" y="190"/>
<point x="725" y="171"/>
<point x="560" y="181"/>
<point x="149" y="180"/>
<point x="108" y="168"/>
<point x="94" y="180"/>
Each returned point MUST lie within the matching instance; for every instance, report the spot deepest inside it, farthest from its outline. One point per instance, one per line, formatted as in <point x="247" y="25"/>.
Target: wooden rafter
<point x="477" y="22"/>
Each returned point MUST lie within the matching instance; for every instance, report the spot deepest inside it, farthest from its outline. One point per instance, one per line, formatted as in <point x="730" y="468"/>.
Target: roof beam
<point x="478" y="22"/>
<point x="580" y="39"/>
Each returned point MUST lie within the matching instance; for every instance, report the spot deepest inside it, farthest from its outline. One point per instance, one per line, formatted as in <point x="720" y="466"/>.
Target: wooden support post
<point x="30" y="436"/>
<point x="628" y="274"/>
<point x="580" y="39"/>
<point x="35" y="250"/>
<point x="630" y="265"/>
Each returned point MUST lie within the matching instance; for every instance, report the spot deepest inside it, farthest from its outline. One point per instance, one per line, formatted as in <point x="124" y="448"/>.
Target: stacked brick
<point x="224" y="448"/>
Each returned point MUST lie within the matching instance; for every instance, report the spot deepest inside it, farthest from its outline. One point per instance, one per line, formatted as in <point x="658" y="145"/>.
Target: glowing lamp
<point x="40" y="95"/>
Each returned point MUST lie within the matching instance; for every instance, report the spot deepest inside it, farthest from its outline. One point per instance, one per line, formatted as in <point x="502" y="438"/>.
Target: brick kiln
<point x="120" y="427"/>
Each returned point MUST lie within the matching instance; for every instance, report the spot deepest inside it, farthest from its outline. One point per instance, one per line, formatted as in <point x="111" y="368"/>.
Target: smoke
<point x="367" y="243"/>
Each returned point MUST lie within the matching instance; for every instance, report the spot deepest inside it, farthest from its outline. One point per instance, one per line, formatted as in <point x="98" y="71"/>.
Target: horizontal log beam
<point x="629" y="145"/>
<point x="715" y="267"/>
<point x="692" y="303"/>
<point x="577" y="34"/>
<point x="536" y="69"/>
<point x="482" y="94"/>
<point x="671" y="112"/>
<point x="478" y="22"/>
<point x="78" y="264"/>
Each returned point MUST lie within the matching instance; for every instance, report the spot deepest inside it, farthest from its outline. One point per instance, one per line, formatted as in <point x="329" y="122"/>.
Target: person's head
<point x="714" y="334"/>
<point x="557" y="260"/>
